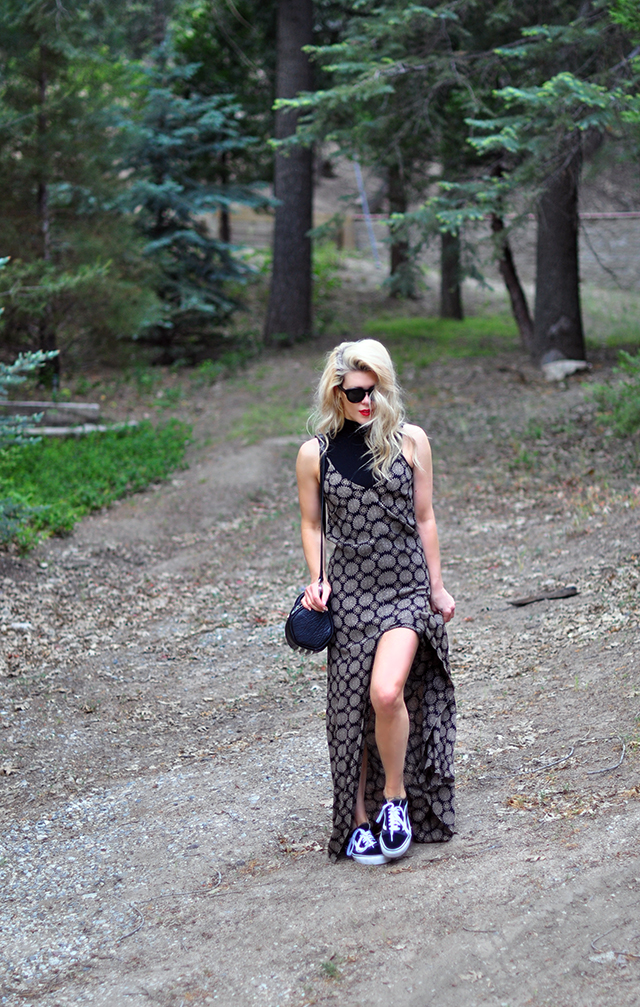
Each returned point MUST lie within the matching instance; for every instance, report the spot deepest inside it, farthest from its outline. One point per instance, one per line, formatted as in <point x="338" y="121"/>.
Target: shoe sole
<point x="399" y="851"/>
<point x="373" y="861"/>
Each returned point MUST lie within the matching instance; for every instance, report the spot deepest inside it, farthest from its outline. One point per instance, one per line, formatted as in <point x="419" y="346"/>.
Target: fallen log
<point x="561" y="592"/>
<point x="79" y="430"/>
<point x="54" y="413"/>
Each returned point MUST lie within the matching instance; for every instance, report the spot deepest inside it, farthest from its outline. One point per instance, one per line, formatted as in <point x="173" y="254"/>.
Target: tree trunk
<point x="517" y="295"/>
<point x="558" y="318"/>
<point x="399" y="252"/>
<point x="50" y="371"/>
<point x="224" y="217"/>
<point x="289" y="311"/>
<point x="450" y="294"/>
<point x="159" y="30"/>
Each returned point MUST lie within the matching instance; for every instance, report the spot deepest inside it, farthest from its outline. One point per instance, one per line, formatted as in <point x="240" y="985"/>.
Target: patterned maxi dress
<point x="379" y="581"/>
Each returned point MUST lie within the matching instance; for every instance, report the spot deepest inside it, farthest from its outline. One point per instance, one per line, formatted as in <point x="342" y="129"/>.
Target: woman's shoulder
<point x="413" y="431"/>
<point x="415" y="443"/>
<point x="415" y="435"/>
<point x="309" y="456"/>
<point x="309" y="449"/>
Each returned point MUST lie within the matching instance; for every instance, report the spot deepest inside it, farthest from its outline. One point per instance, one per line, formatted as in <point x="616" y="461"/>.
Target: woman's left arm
<point x="441" y="600"/>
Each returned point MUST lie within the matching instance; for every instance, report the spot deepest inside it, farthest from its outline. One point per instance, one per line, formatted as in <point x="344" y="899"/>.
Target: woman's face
<point x="360" y="412"/>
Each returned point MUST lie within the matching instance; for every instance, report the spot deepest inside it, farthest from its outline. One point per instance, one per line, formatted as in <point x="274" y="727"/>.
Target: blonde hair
<point x="384" y="429"/>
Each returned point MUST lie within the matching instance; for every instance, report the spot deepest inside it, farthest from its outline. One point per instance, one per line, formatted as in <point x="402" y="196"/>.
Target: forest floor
<point x="165" y="781"/>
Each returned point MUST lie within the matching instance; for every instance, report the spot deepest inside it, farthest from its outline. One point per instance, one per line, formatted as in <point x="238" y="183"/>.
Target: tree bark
<point x="518" y="298"/>
<point x="159" y="22"/>
<point x="50" y="371"/>
<point x="289" y="310"/>
<point x="450" y="293"/>
<point x="399" y="251"/>
<point x="224" y="218"/>
<point x="558" y="317"/>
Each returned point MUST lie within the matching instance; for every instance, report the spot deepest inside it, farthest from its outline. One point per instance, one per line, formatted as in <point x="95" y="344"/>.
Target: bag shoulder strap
<point x="323" y="463"/>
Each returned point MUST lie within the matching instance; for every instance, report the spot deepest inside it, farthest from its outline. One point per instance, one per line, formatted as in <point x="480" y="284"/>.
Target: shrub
<point x="620" y="402"/>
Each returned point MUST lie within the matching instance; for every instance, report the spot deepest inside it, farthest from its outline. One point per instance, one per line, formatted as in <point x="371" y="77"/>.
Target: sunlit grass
<point x="420" y="341"/>
<point x="270" y="418"/>
<point x="611" y="317"/>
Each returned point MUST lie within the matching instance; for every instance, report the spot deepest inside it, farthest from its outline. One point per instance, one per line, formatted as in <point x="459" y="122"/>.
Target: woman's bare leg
<point x="394" y="656"/>
<point x="360" y="816"/>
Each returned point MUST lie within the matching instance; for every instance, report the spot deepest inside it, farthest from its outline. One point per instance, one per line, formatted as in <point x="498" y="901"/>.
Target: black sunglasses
<point x="358" y="394"/>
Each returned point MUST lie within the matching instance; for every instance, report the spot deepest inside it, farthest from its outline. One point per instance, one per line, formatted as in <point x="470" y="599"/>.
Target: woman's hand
<point x="315" y="599"/>
<point x="442" y="602"/>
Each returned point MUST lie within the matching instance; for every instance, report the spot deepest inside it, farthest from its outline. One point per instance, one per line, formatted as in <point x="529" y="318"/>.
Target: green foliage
<point x="233" y="47"/>
<point x="183" y="133"/>
<point x="547" y="114"/>
<point x="570" y="78"/>
<point x="393" y="105"/>
<point x="422" y="341"/>
<point x="92" y="144"/>
<point x="57" y="481"/>
<point x="330" y="970"/>
<point x="14" y="519"/>
<point x="326" y="282"/>
<point x="76" y="270"/>
<point x="627" y="14"/>
<point x="409" y="81"/>
<point x="12" y="428"/>
<point x="620" y="402"/>
<point x="209" y="371"/>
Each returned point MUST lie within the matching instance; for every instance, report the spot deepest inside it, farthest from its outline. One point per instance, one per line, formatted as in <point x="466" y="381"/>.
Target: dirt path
<point x="166" y="788"/>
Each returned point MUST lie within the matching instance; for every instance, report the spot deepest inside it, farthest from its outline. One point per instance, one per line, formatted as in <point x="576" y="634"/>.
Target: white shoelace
<point x="362" y="840"/>
<point x="395" y="818"/>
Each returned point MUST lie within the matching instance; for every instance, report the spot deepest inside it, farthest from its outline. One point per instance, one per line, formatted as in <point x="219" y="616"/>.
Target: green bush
<point x="51" y="484"/>
<point x="327" y="263"/>
<point x="14" y="518"/>
<point x="620" y="402"/>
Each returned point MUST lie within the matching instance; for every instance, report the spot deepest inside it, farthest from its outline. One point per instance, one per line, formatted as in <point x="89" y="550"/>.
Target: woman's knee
<point x="386" y="698"/>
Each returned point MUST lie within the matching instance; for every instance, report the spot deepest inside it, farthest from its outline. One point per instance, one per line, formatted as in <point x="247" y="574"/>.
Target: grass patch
<point x="611" y="318"/>
<point x="272" y="419"/>
<point x="620" y="401"/>
<point x="422" y="341"/>
<point x="56" y="482"/>
<point x="274" y="410"/>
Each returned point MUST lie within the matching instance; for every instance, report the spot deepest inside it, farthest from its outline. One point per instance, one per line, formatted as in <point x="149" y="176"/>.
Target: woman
<point x="390" y="704"/>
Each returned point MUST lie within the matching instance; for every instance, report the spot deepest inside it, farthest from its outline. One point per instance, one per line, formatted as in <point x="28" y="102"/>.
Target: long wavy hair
<point x="385" y="427"/>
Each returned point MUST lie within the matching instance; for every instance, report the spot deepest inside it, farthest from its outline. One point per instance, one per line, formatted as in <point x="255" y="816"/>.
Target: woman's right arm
<point x="308" y="475"/>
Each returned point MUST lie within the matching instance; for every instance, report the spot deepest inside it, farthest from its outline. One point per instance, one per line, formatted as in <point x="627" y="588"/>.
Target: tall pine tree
<point x="74" y="269"/>
<point x="179" y="135"/>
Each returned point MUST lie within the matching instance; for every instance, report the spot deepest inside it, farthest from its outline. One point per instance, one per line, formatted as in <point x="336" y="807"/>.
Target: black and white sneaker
<point x="364" y="847"/>
<point x="395" y="835"/>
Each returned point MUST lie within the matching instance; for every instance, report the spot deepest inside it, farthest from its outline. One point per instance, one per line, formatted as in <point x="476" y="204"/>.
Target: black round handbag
<point x="306" y="629"/>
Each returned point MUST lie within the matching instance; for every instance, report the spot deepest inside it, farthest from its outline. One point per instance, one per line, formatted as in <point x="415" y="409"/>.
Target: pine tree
<point x="179" y="134"/>
<point x="234" y="47"/>
<point x="62" y="91"/>
<point x="403" y="86"/>
<point x="542" y="128"/>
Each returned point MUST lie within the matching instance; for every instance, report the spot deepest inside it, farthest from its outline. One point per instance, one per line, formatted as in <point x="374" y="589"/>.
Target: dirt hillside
<point x="165" y="781"/>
